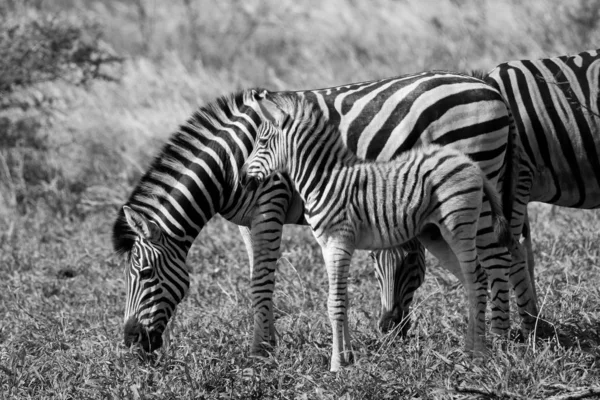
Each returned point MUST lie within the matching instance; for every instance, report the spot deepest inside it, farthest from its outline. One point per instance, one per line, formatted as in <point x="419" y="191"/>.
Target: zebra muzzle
<point x="137" y="334"/>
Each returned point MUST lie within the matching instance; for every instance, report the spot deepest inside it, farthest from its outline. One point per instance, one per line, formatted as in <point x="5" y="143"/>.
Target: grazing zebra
<point x="195" y="176"/>
<point x="555" y="104"/>
<point x="353" y="204"/>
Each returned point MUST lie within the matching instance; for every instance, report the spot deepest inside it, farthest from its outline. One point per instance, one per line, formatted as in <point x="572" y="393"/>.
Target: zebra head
<point x="266" y="157"/>
<point x="157" y="280"/>
<point x="399" y="271"/>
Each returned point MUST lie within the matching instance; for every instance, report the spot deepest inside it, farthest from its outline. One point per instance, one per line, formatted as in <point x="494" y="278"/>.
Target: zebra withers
<point x="351" y="204"/>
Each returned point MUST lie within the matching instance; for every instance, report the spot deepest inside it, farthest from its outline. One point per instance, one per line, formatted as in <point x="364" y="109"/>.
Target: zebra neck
<point x="316" y="159"/>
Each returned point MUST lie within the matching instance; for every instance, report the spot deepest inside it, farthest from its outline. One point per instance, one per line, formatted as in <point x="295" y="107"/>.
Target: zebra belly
<point x="567" y="190"/>
<point x="376" y="238"/>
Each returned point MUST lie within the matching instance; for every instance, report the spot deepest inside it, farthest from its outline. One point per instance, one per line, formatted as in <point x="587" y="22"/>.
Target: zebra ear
<point x="271" y="111"/>
<point x="139" y="224"/>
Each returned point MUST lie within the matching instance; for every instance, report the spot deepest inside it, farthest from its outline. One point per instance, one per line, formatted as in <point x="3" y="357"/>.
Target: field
<point x="69" y="158"/>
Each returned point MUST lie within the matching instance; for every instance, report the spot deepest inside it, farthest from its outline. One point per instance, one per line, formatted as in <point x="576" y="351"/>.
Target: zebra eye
<point x="146" y="273"/>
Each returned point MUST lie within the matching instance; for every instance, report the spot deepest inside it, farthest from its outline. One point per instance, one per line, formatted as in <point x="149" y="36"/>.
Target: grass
<point x="63" y="298"/>
<point x="65" y="171"/>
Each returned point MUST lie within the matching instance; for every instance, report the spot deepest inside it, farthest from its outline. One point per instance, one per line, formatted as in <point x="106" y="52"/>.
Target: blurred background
<point x="89" y="89"/>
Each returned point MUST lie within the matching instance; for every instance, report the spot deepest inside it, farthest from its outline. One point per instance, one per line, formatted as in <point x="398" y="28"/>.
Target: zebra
<point x="554" y="102"/>
<point x="195" y="176"/>
<point x="352" y="204"/>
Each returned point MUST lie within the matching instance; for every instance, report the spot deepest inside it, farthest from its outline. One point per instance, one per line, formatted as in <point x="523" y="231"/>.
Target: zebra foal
<point x="352" y="204"/>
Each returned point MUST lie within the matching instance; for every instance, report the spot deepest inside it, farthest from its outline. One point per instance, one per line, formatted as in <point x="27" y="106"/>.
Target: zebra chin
<point x="394" y="319"/>
<point x="137" y="334"/>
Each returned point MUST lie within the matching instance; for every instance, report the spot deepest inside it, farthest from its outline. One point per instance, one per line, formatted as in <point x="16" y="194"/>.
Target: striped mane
<point x="216" y="120"/>
<point x="303" y="111"/>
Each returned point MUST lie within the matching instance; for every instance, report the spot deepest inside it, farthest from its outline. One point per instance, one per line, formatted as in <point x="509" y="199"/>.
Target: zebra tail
<point x="501" y="225"/>
<point x="511" y="169"/>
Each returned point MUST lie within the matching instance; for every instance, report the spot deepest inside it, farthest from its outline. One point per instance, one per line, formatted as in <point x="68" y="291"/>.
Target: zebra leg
<point x="247" y="238"/>
<point x="496" y="262"/>
<point x="337" y="260"/>
<point x="520" y="274"/>
<point x="399" y="275"/>
<point x="476" y="279"/>
<point x="472" y="277"/>
<point x="529" y="250"/>
<point x="265" y="240"/>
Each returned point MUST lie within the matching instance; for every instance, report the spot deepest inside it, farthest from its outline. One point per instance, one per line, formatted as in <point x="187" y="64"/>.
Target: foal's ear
<point x="271" y="111"/>
<point x="141" y="225"/>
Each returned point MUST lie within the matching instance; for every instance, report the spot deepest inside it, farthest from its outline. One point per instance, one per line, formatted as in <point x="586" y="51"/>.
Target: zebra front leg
<point x="337" y="258"/>
<point x="265" y="240"/>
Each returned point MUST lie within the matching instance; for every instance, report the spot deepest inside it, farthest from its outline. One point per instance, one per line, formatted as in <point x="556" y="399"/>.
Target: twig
<point x="565" y="87"/>
<point x="491" y="394"/>
<point x="579" y="394"/>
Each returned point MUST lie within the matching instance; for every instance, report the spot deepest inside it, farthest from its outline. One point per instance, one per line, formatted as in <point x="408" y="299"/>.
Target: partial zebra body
<point x="351" y="204"/>
<point x="555" y="105"/>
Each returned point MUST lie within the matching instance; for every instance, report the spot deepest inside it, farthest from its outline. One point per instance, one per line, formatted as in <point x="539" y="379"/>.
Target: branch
<point x="579" y="394"/>
<point x="565" y="87"/>
<point x="489" y="394"/>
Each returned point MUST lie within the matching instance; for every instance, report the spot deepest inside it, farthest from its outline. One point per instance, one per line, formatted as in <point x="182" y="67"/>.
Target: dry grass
<point x="62" y="291"/>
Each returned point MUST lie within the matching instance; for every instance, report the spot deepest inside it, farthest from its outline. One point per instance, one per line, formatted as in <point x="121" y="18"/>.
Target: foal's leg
<point x="337" y="260"/>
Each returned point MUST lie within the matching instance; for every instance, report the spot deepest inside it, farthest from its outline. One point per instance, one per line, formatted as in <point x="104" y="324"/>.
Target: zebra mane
<point x="302" y="110"/>
<point x="478" y="73"/>
<point x="204" y="124"/>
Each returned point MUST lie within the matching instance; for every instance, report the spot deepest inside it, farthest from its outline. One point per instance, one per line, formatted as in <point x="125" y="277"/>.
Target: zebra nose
<point x="136" y="333"/>
<point x="133" y="331"/>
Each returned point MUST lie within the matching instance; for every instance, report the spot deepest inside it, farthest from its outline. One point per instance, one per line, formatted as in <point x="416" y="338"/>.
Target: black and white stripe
<point x="352" y="204"/>
<point x="555" y="105"/>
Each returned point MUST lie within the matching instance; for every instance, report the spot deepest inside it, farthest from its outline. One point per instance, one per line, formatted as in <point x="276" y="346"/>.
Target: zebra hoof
<point x="541" y="328"/>
<point x="263" y="350"/>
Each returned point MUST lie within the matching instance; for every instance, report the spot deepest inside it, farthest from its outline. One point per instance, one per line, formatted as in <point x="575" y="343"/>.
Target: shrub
<point x="35" y="52"/>
<point x="36" y="49"/>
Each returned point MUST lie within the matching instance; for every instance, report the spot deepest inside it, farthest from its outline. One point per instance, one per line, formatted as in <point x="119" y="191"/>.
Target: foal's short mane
<point x="204" y="122"/>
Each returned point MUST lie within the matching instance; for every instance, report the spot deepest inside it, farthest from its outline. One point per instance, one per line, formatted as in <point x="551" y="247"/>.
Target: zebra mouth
<point x="136" y="334"/>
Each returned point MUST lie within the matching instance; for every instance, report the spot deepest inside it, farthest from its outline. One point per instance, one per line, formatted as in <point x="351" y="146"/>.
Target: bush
<point x="36" y="49"/>
<point x="35" y="52"/>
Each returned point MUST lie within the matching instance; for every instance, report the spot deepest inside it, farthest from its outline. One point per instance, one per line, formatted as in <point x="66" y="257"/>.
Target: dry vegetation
<point x="72" y="146"/>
